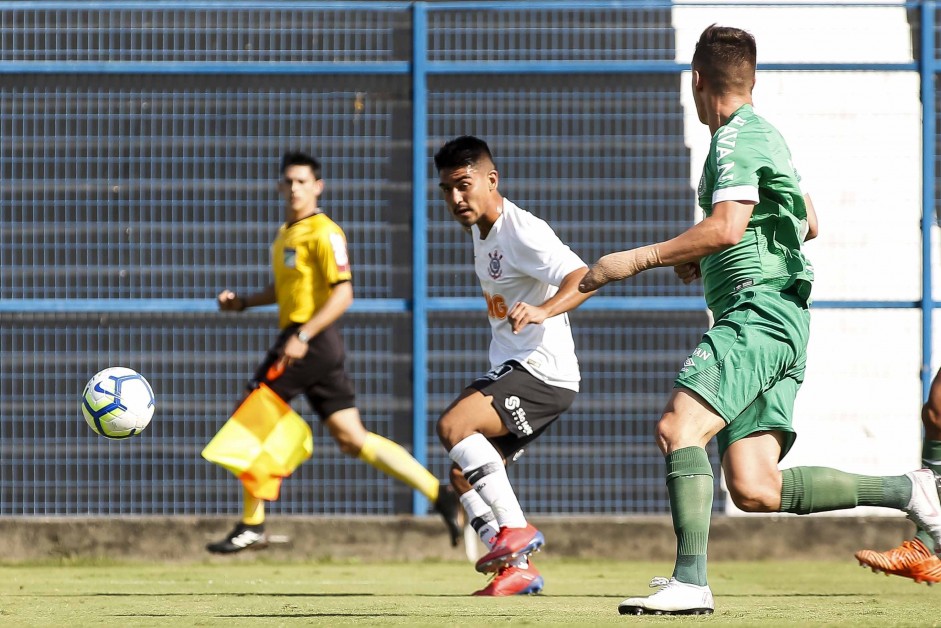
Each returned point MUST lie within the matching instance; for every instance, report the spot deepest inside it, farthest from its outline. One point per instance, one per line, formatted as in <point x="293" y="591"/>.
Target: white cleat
<point x="925" y="507"/>
<point x="675" y="598"/>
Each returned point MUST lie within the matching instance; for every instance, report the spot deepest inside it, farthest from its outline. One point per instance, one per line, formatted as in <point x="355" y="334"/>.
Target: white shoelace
<point x="659" y="581"/>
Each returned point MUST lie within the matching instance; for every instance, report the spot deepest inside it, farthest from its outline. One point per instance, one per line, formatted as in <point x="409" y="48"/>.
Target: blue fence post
<point x="927" y="68"/>
<point x="419" y="246"/>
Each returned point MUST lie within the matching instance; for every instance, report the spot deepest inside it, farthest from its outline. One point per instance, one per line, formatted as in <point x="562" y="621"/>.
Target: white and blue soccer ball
<point x="118" y="402"/>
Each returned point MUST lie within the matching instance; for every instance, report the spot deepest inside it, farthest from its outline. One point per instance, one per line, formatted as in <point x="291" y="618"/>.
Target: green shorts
<point x="749" y="366"/>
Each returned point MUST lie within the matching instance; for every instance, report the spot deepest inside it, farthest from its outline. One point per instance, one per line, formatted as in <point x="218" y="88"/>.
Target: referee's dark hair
<point x="300" y="158"/>
<point x="465" y="150"/>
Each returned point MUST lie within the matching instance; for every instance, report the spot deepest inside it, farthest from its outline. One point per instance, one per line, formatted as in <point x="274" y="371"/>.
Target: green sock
<point x="690" y="484"/>
<point x="818" y="489"/>
<point x="930" y="459"/>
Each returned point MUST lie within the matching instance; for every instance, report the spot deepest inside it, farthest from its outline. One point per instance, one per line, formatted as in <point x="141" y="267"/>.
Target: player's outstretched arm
<point x="231" y="302"/>
<point x="621" y="265"/>
<point x="567" y="298"/>
<point x="718" y="231"/>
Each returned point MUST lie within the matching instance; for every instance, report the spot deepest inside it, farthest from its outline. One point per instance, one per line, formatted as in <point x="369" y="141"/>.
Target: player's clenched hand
<point x="688" y="272"/>
<point x="618" y="266"/>
<point x="523" y="314"/>
<point x="230" y="302"/>
<point x="294" y="349"/>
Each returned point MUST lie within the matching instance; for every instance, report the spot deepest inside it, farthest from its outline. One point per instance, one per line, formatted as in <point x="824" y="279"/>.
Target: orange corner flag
<point x="261" y="443"/>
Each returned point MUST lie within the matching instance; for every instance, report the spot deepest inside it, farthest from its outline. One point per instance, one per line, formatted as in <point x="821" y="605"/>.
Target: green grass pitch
<point x="220" y="592"/>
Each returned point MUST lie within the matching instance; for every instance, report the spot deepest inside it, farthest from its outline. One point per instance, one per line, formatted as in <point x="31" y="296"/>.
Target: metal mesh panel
<point x="52" y="463"/>
<point x="163" y="188"/>
<point x="601" y="158"/>
<point x="298" y="34"/>
<point x="144" y="169"/>
<point x="551" y="34"/>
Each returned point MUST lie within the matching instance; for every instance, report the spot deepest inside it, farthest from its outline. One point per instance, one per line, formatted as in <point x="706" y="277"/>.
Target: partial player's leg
<point x="249" y="533"/>
<point x="464" y="429"/>
<point x="914" y="558"/>
<point x="346" y="428"/>
<point x="684" y="429"/>
<point x="756" y="485"/>
<point x="806" y="490"/>
<point x="718" y="391"/>
<point x="332" y="396"/>
<point x="518" y="576"/>
<point x="491" y="420"/>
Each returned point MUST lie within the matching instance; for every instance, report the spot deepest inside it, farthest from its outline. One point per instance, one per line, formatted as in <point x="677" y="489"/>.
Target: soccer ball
<point x="118" y="402"/>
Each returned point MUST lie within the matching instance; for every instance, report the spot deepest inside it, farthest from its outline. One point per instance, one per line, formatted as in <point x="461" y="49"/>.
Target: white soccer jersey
<point x="522" y="259"/>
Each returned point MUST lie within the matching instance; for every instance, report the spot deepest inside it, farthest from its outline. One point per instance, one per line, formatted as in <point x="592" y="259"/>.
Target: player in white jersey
<point x="521" y="260"/>
<point x="530" y="280"/>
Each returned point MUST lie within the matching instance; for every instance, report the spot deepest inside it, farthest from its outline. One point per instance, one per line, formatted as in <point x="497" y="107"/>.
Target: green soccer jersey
<point x="749" y="161"/>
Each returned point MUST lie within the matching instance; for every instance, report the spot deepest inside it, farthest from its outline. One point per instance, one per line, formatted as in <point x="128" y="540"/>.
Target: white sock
<point x="483" y="467"/>
<point x="480" y="517"/>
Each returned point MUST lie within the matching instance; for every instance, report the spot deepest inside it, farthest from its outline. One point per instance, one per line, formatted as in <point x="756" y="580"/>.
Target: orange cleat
<point x="906" y="560"/>
<point x="512" y="580"/>
<point x="927" y="571"/>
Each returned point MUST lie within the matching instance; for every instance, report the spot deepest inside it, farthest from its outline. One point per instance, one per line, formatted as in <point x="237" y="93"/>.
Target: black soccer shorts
<point x="525" y="404"/>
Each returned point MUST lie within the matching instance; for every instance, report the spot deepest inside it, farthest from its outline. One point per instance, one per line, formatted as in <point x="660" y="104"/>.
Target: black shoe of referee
<point x="242" y="537"/>
<point x="448" y="505"/>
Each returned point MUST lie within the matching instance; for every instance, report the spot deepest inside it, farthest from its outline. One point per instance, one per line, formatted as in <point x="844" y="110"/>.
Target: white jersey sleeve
<point x="541" y="254"/>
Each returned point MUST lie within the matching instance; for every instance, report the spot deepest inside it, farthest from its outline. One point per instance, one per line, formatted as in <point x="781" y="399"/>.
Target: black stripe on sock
<point x="475" y="475"/>
<point x="478" y="522"/>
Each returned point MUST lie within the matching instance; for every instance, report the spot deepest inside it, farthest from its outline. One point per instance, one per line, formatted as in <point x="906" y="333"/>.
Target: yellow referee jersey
<point x="308" y="257"/>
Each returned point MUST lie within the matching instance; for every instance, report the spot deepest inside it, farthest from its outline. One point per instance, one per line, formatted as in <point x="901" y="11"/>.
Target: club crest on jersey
<point x="494" y="268"/>
<point x="290" y="258"/>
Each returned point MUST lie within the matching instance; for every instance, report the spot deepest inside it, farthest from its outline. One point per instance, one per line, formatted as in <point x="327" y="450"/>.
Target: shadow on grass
<point x="798" y="595"/>
<point x="219" y="594"/>
<point x="420" y="595"/>
<point x="618" y="596"/>
<point x="285" y="615"/>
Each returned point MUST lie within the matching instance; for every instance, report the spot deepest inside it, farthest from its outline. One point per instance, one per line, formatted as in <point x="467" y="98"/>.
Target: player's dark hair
<point x="726" y="58"/>
<point x="300" y="158"/>
<point x="465" y="150"/>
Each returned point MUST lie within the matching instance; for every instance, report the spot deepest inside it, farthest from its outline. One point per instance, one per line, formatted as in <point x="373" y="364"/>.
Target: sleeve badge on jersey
<point x="340" y="255"/>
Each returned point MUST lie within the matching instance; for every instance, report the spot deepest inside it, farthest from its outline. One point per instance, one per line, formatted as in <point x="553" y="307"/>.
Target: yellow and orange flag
<point x="261" y="443"/>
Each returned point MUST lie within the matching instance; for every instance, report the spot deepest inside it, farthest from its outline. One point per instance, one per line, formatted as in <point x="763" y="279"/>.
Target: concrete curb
<point x="771" y="537"/>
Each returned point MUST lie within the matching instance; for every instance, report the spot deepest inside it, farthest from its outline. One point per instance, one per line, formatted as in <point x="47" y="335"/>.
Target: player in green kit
<point x="740" y="382"/>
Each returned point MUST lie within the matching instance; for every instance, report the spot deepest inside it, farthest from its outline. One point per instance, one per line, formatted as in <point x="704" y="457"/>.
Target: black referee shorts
<point x="319" y="375"/>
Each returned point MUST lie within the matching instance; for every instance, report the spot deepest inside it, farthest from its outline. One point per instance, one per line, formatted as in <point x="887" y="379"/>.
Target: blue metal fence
<point x="140" y="142"/>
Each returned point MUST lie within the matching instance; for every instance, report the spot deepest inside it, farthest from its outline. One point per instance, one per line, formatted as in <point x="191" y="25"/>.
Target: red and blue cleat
<point x="509" y="544"/>
<point x="512" y="580"/>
